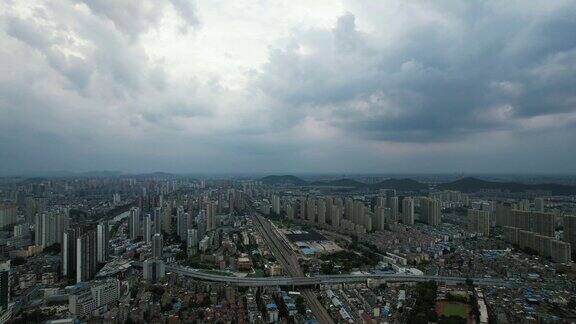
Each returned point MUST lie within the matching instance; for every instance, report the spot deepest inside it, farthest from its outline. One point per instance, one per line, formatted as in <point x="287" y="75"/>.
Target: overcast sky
<point x="288" y="86"/>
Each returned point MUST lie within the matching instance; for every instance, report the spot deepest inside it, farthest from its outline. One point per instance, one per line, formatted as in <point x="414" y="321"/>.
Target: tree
<point x="300" y="305"/>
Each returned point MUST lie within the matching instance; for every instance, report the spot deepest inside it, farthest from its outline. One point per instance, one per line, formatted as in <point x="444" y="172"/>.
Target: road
<point x="289" y="261"/>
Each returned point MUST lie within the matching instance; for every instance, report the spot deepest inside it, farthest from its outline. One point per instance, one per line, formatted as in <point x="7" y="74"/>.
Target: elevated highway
<point x="327" y="280"/>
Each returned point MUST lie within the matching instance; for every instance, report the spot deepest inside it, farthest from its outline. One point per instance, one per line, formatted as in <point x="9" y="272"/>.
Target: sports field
<point x="455" y="309"/>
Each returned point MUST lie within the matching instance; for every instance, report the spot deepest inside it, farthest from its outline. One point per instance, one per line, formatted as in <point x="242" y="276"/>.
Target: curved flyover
<point x="327" y="280"/>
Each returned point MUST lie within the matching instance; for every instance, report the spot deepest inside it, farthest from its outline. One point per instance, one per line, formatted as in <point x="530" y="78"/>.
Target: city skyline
<point x="287" y="87"/>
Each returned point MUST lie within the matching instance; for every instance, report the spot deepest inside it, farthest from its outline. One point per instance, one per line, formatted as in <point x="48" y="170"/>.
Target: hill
<point x="283" y="180"/>
<point x="400" y="184"/>
<point x="470" y="184"/>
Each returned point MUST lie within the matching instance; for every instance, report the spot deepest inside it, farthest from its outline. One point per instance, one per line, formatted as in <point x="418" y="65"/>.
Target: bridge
<point x="325" y="280"/>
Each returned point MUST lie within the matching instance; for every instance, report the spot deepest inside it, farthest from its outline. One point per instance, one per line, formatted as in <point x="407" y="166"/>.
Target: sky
<point x="193" y="86"/>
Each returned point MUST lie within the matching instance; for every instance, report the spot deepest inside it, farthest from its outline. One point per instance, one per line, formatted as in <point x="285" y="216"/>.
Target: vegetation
<point x="300" y="305"/>
<point x="196" y="262"/>
<point x="53" y="249"/>
<point x="36" y="316"/>
<point x="349" y="260"/>
<point x="17" y="261"/>
<point x="424" y="307"/>
<point x="452" y="320"/>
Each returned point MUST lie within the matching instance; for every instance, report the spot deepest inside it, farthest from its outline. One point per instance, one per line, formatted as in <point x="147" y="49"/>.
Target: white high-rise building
<point x="336" y="216"/>
<point x="379" y="219"/>
<point x="49" y="228"/>
<point x="276" y="204"/>
<point x="8" y="213"/>
<point x="147" y="228"/>
<point x="431" y="212"/>
<point x="154" y="270"/>
<point x="102" y="242"/>
<point x="134" y="223"/>
<point x="407" y="211"/>
<point x="392" y="203"/>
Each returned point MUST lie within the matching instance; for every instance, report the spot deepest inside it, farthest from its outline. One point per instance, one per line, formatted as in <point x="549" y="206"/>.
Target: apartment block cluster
<point x="534" y="230"/>
<point x="357" y="214"/>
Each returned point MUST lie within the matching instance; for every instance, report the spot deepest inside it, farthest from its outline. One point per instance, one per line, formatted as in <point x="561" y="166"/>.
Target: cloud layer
<point x="209" y="86"/>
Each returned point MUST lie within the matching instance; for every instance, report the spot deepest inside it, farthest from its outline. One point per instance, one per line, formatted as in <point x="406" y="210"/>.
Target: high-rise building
<point x="201" y="224"/>
<point x="69" y="252"/>
<point x="349" y="209"/>
<point x="504" y="214"/>
<point x="302" y="208"/>
<point x="192" y="242"/>
<point x="86" y="261"/>
<point x="321" y="211"/>
<point x="407" y="211"/>
<point x="544" y="224"/>
<point x="21" y="230"/>
<point x="102" y="244"/>
<point x="329" y="202"/>
<point x="358" y="212"/>
<point x="311" y="209"/>
<point x="49" y="228"/>
<point x="154" y="270"/>
<point x="367" y="221"/>
<point x="147" y="228"/>
<point x="39" y="229"/>
<point x="167" y="219"/>
<point x="4" y="285"/>
<point x="157" y="245"/>
<point x="336" y="216"/>
<point x="116" y="199"/>
<point x="561" y="252"/>
<point x="211" y="222"/>
<point x="523" y="205"/>
<point x="430" y="210"/>
<point x="157" y="220"/>
<point x="276" y="204"/>
<point x="379" y="219"/>
<point x="8" y="213"/>
<point x="569" y="235"/>
<point x="181" y="223"/>
<point x="392" y="203"/>
<point x="134" y="223"/>
<point x="289" y="212"/>
<point x="539" y="205"/>
<point x="479" y="221"/>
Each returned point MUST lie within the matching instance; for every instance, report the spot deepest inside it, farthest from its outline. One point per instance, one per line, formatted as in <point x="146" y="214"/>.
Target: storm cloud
<point x="210" y="86"/>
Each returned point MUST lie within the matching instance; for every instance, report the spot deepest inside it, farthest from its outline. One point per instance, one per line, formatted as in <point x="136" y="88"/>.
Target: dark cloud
<point x="479" y="69"/>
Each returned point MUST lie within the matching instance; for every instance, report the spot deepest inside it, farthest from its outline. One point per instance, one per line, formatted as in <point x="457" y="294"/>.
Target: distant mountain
<point x="470" y="184"/>
<point x="350" y="183"/>
<point x="275" y="180"/>
<point x="400" y="184"/>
